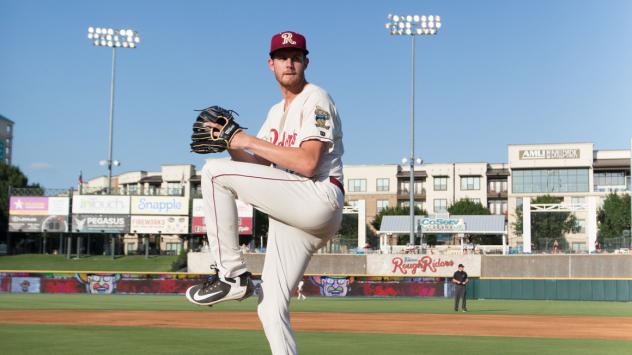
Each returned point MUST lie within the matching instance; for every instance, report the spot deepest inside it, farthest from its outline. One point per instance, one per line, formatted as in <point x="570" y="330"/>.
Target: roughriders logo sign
<point x="417" y="265"/>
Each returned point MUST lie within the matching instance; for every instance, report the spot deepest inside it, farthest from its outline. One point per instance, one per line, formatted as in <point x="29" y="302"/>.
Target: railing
<point x="165" y="191"/>
<point x="38" y="191"/>
<point x="44" y="192"/>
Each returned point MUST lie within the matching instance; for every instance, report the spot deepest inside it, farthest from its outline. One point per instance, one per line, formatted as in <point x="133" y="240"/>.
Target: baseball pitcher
<point x="292" y="170"/>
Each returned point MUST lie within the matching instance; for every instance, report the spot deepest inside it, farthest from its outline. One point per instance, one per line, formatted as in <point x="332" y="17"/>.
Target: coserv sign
<point x="442" y="225"/>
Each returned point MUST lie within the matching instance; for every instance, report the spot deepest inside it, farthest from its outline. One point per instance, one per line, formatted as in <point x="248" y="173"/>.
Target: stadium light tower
<point x="114" y="38"/>
<point x="413" y="26"/>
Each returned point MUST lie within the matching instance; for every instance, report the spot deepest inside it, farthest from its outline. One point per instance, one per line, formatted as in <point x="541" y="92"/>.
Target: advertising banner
<point x="38" y="223"/>
<point x="160" y="224"/>
<point x="422" y="265"/>
<point x="38" y="206"/>
<point x="442" y="225"/>
<point x="25" y="285"/>
<point x="244" y="211"/>
<point x="100" y="223"/>
<point x="97" y="204"/>
<point x="199" y="227"/>
<point x="198" y="210"/>
<point x="160" y="205"/>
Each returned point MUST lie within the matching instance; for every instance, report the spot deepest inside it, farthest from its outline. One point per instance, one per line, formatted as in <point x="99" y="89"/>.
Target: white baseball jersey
<point x="311" y="115"/>
<point x="305" y="212"/>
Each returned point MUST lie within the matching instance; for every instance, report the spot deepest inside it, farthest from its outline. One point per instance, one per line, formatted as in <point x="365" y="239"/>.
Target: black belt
<point x="337" y="182"/>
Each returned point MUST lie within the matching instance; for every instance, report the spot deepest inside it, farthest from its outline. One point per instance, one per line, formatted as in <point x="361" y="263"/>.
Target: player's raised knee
<point x="215" y="167"/>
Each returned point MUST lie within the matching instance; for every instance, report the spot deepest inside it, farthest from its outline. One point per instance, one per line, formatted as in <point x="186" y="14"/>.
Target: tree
<point x="613" y="217"/>
<point x="10" y="176"/>
<point x="349" y="232"/>
<point x="395" y="211"/>
<point x="467" y="207"/>
<point x="547" y="226"/>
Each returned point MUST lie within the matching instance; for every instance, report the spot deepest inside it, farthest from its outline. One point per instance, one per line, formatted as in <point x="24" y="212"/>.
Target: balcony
<point x="496" y="194"/>
<point x="404" y="193"/>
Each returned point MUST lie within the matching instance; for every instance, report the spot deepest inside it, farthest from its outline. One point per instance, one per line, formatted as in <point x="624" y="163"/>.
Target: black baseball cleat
<point x="219" y="289"/>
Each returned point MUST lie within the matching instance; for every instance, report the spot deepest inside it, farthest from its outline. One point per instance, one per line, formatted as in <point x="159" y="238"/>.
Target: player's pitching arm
<point x="302" y="160"/>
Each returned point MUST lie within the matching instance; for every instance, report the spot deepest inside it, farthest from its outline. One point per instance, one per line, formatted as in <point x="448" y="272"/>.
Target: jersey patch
<point x="321" y="116"/>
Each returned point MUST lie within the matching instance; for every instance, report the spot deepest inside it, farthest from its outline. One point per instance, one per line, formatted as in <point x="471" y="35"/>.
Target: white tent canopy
<point x="474" y="224"/>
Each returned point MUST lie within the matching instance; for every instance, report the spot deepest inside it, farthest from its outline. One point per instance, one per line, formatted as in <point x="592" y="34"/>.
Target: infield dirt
<point x="467" y="324"/>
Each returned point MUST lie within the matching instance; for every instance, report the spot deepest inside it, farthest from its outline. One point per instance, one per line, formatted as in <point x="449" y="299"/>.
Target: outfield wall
<point x="557" y="266"/>
<point x="550" y="277"/>
<point x="177" y="283"/>
<point x="554" y="289"/>
<point x="483" y="266"/>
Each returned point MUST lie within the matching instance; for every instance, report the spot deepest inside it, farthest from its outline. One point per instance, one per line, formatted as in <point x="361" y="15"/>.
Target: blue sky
<point x="498" y="73"/>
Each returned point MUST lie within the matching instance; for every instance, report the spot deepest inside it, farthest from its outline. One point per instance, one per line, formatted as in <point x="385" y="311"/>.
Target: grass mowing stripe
<point x="9" y="301"/>
<point x="45" y="339"/>
<point x="86" y="263"/>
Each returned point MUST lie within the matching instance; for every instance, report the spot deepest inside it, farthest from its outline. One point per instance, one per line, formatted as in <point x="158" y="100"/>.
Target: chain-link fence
<point x="616" y="243"/>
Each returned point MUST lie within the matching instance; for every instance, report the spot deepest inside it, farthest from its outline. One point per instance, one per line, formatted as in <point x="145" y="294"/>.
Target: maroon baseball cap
<point x="288" y="39"/>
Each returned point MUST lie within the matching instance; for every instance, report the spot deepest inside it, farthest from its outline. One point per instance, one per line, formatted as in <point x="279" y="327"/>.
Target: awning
<point x="475" y="224"/>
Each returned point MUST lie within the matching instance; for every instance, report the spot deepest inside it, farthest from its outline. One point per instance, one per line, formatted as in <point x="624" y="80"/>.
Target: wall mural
<point x="177" y="283"/>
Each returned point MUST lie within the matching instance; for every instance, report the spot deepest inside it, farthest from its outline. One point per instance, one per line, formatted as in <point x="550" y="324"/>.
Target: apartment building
<point x="6" y="139"/>
<point x="571" y="171"/>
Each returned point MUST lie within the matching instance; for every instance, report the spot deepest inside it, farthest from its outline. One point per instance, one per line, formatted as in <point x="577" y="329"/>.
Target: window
<point x="550" y="180"/>
<point x="497" y="206"/>
<point x="476" y="200"/>
<point x="419" y="187"/>
<point x="470" y="183"/>
<point x="353" y="203"/>
<point x="132" y="189"/>
<point x="610" y="181"/>
<point x="381" y="204"/>
<point x="440" y="183"/>
<point x="609" y="178"/>
<point x="440" y="205"/>
<point x="382" y="184"/>
<point x="403" y="187"/>
<point x="174" y="189"/>
<point x="357" y="185"/>
<point x="581" y="225"/>
<point x="497" y="185"/>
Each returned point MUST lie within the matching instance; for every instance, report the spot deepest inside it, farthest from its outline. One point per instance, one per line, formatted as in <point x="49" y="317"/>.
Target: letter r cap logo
<point x="287" y="38"/>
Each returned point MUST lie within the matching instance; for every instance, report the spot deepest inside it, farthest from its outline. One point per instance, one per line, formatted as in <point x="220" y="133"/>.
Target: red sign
<point x="199" y="227"/>
<point x="407" y="264"/>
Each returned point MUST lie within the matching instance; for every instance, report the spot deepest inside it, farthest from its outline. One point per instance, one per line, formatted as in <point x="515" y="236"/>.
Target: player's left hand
<point x="213" y="130"/>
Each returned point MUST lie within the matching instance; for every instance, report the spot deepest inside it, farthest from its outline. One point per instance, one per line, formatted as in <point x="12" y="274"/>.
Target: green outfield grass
<point x="10" y="301"/>
<point x="86" y="263"/>
<point x="48" y="339"/>
<point x="62" y="339"/>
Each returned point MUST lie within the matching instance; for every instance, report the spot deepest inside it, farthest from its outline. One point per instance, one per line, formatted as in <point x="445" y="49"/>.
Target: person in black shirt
<point x="460" y="280"/>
